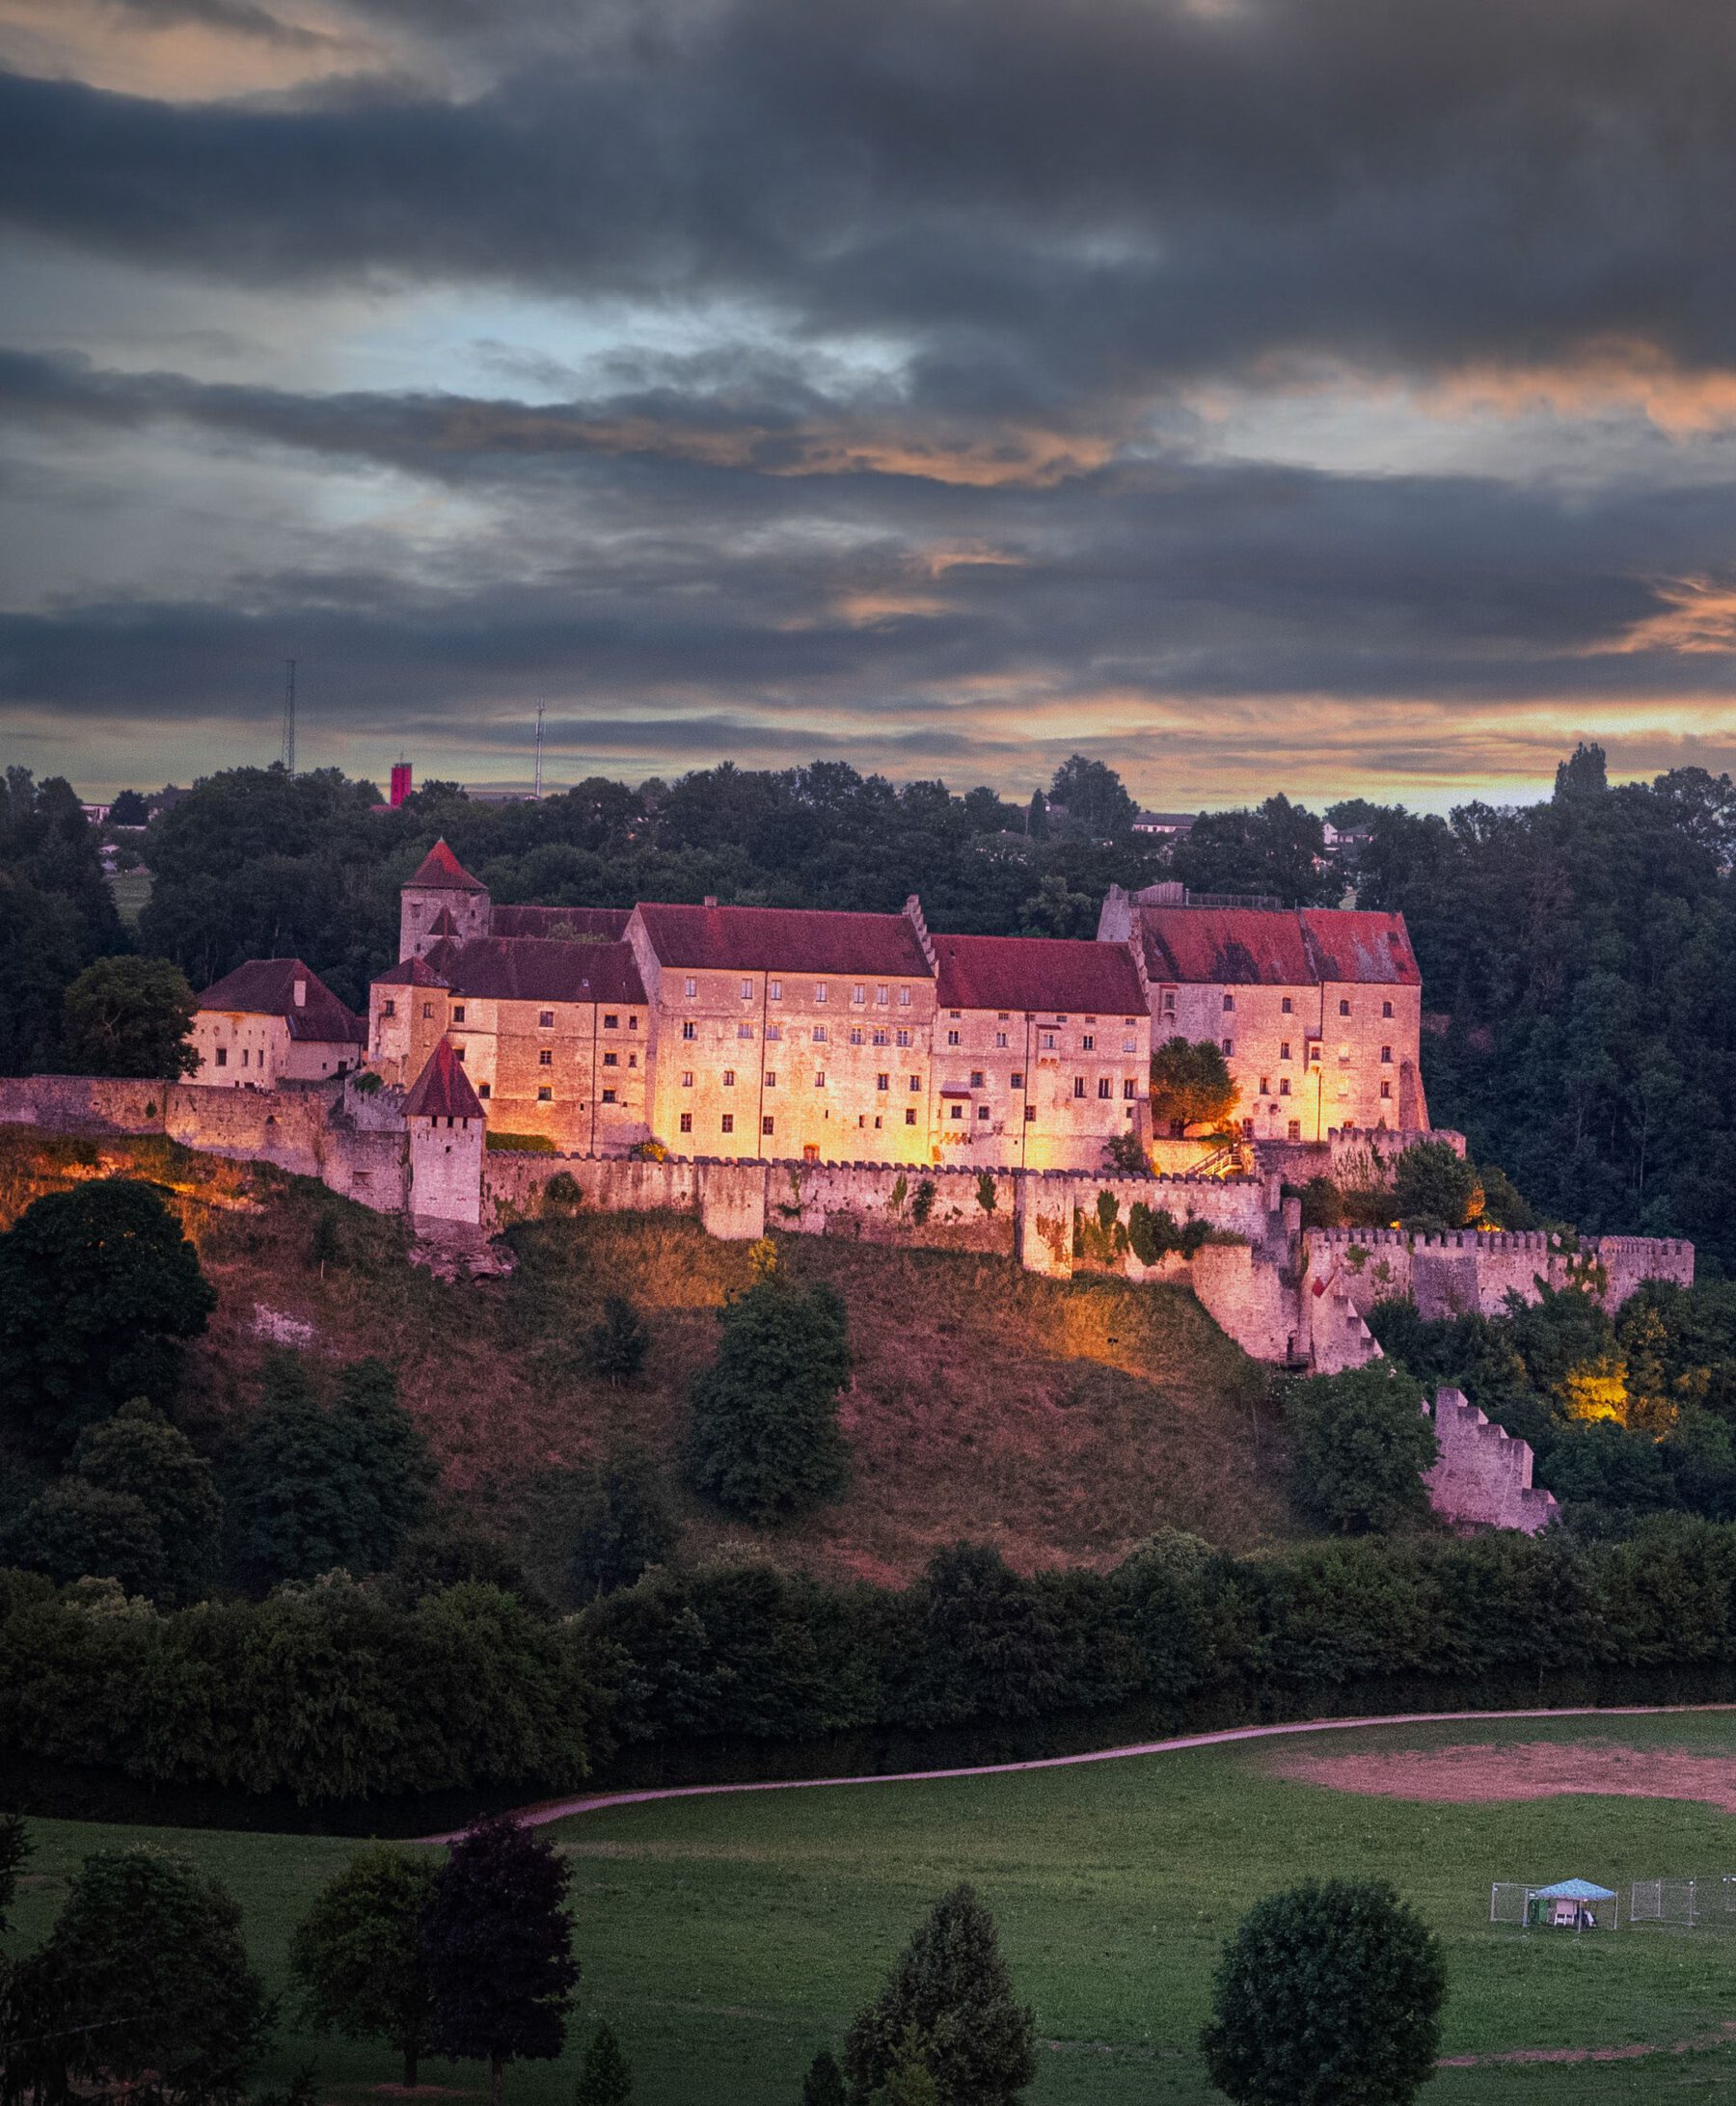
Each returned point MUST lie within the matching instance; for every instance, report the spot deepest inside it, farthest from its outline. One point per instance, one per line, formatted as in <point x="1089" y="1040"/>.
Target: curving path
<point x="547" y="1810"/>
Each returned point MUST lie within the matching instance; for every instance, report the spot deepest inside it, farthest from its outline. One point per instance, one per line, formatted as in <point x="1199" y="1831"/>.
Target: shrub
<point x="764" y="1439"/>
<point x="625" y="1522"/>
<point x="1153" y="1232"/>
<point x="985" y="1192"/>
<point x="1322" y="1204"/>
<point x="522" y="1144"/>
<point x="616" y="1347"/>
<point x="1328" y="1995"/>
<point x="1359" y="1445"/>
<point x="1125" y="1153"/>
<point x="1435" y="1188"/>
<point x="922" y="1200"/>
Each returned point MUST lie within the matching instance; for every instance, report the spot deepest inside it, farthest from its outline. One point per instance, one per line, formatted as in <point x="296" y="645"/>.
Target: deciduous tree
<point x="130" y="1016"/>
<point x="1359" y="1445"/>
<point x="764" y="1439"/>
<point x="357" y="1955"/>
<point x="1191" y="1086"/>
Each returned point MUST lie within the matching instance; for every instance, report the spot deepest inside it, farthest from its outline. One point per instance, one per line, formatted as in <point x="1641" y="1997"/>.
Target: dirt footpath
<point x="1531" y="1770"/>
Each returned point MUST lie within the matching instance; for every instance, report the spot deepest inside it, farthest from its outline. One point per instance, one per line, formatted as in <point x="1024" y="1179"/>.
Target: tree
<point x="1125" y="1154"/>
<point x="764" y="1439"/>
<point x="625" y="1522"/>
<point x="76" y="1530"/>
<point x="497" y="1946"/>
<point x="1359" y="1445"/>
<point x="1191" y="1086"/>
<point x="824" y="2084"/>
<point x="128" y="809"/>
<point x="1435" y="1187"/>
<point x="1037" y="824"/>
<point x="1583" y="774"/>
<point x="130" y="1016"/>
<point x="607" y="2078"/>
<point x="1327" y="1995"/>
<point x="1279" y="849"/>
<point x="951" y="1989"/>
<point x="907" y="2082"/>
<point x="98" y="1288"/>
<point x="1095" y="799"/>
<point x="616" y="1347"/>
<point x="138" y="1456"/>
<point x="146" y="1965"/>
<point x="312" y="1489"/>
<point x="357" y="1955"/>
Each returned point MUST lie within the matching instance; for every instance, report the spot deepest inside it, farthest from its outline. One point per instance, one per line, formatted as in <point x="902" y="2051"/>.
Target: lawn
<point x="727" y="1937"/>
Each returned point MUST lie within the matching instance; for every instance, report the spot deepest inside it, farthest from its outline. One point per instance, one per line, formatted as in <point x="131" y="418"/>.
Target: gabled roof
<point x="541" y="969"/>
<point x="442" y="1090"/>
<point x="574" y="923"/>
<point x="265" y="986"/>
<point x="1037" y="973"/>
<point x="441" y="872"/>
<point x="1283" y="947"/>
<point x="443" y="924"/>
<point x="786" y="940"/>
<point x="409" y="972"/>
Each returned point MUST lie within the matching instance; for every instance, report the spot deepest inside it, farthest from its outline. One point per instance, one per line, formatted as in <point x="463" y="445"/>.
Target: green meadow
<point x="727" y="1937"/>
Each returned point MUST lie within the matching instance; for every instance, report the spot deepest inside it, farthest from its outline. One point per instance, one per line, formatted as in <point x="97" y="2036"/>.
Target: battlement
<point x="1482" y="1476"/>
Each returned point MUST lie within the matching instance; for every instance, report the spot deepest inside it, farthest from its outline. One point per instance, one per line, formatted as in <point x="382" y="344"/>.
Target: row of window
<point x="769" y="1123"/>
<point x="1283" y="1088"/>
<point x="774" y="992"/>
<point x="1287" y="1007"/>
<point x="1310" y="1048"/>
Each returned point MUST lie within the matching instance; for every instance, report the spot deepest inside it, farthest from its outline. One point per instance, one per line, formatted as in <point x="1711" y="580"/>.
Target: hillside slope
<point x="1060" y="1421"/>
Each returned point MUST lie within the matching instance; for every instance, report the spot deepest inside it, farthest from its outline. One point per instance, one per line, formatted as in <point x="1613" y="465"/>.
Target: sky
<point x="1328" y="396"/>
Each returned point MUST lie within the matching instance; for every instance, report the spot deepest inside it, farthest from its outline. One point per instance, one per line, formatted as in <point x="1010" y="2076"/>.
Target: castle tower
<point x="441" y="886"/>
<point x="447" y="1135"/>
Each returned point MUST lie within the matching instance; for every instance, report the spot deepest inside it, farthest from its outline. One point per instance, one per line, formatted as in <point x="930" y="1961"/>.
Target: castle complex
<point x="754" y="1034"/>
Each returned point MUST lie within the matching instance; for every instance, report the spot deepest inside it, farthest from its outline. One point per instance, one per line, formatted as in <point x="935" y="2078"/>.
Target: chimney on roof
<point x="301" y="992"/>
<point x="711" y="898"/>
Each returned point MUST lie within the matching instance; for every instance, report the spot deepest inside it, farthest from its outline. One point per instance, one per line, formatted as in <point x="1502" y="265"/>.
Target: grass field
<point x="131" y="889"/>
<point x="727" y="1937"/>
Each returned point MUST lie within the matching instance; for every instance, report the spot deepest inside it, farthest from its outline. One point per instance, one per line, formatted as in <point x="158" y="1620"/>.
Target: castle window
<point x="1283" y="1051"/>
<point x="1060" y="1016"/>
<point x="1266" y="1087"/>
<point x="729" y="1078"/>
<point x="858" y="993"/>
<point x="1284" y="1086"/>
<point x="427" y="1009"/>
<point x="1000" y="1039"/>
<point x="880" y="997"/>
<point x="878" y="1123"/>
<point x="1169" y="1001"/>
<point x="1049" y="1041"/>
<point x="952" y="1037"/>
<point x="746" y="990"/>
<point x="1287" y="1007"/>
<point x="982" y="1111"/>
<point x="388" y="1008"/>
<point x="883" y="1082"/>
<point x="1016" y="1079"/>
<point x="687" y="1078"/>
<point x="687" y="1122"/>
<point x="909" y="1118"/>
<point x="1386" y="1088"/>
<point x="1030" y="1115"/>
<point x="1228" y="1003"/>
<point x="915" y="1082"/>
<point x="544" y="1096"/>
<point x="820" y="1037"/>
<point x="484" y="1090"/>
<point x="244" y="1056"/>
<point x="545" y="1017"/>
<point x="690" y="1030"/>
<point x="1078" y="1085"/>
<point x="976" y="1078"/>
<point x="904" y="1038"/>
<point x="612" y="1023"/>
<point x="1228" y="1046"/>
<point x="855" y="1034"/>
<point x="904" y="997"/>
<point x="774" y="1031"/>
<point x="633" y="1059"/>
<point x="1129" y="1045"/>
<point x="880" y="1037"/>
<point x="458" y="1013"/>
<point x="1088" y="1043"/>
<point x="819" y="996"/>
<point x="609" y="1096"/>
<point x="771" y="1079"/>
<point x="610" y="1060"/>
<point x="766" y="1125"/>
<point x="1385" y="1009"/>
<point x="633" y="1023"/>
<point x="958" y="1110"/>
<point x="1343" y="1009"/>
<point x="223" y="1056"/>
<point x="1130" y="1089"/>
<point x="728" y="1122"/>
<point x="743" y="1031"/>
<point x="1296" y="1129"/>
<point x="818" y="1078"/>
<point x="1105" y="1087"/>
<point x="690" y="988"/>
<point x="1386" y="1056"/>
<point x="774" y="990"/>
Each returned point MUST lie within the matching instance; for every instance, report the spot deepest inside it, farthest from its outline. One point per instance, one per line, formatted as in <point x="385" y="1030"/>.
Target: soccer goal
<point x="1666" y="1900"/>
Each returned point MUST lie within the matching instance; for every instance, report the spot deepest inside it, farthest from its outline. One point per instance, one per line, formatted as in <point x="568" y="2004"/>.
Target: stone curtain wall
<point x="1482" y="1477"/>
<point x="1464" y="1272"/>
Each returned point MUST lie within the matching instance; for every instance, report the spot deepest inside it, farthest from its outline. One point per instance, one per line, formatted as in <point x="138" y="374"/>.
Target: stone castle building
<point x="740" y="1032"/>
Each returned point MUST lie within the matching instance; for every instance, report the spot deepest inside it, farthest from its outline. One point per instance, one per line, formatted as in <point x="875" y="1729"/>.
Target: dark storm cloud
<point x="1046" y="204"/>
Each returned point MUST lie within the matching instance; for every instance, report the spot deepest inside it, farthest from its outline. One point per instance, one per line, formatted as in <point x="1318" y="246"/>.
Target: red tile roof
<point x="1037" y="973"/>
<point x="541" y="969"/>
<point x="265" y="986"/>
<point x="409" y="972"/>
<point x="442" y="1090"/>
<point x="1279" y="948"/>
<point x="441" y="872"/>
<point x="574" y="923"/>
<point x="787" y="940"/>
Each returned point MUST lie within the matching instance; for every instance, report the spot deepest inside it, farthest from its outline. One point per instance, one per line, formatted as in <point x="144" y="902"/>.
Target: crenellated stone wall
<point x="1465" y="1272"/>
<point x="1482" y="1476"/>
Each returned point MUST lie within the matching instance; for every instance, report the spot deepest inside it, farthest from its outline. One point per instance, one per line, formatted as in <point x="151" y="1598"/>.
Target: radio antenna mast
<point x="289" y="720"/>
<point x="540" y="707"/>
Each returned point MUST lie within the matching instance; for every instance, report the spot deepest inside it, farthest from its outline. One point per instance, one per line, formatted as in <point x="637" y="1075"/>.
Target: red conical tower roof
<point x="441" y="872"/>
<point x="442" y="1090"/>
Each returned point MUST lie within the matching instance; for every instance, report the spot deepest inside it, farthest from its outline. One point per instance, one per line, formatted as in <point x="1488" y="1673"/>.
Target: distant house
<point x="274" y="1020"/>
<point x="1164" y="826"/>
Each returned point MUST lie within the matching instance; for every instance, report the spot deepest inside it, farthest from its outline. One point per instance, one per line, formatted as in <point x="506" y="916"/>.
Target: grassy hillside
<point x="1061" y="1421"/>
<point x="733" y="1935"/>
